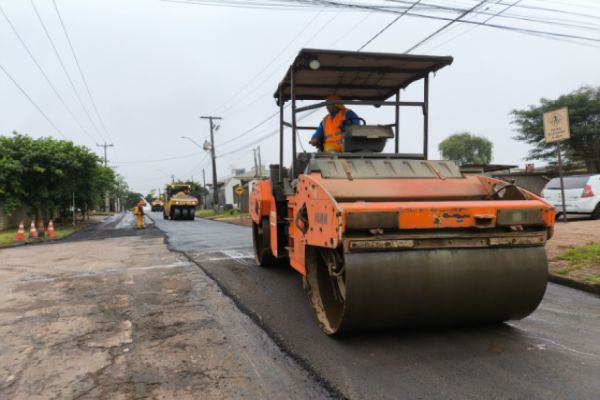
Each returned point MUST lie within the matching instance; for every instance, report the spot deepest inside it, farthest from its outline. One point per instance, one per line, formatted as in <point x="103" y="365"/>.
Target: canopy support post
<point x="281" y="129"/>
<point x="293" y="98"/>
<point x="426" y="116"/>
<point x="397" y="122"/>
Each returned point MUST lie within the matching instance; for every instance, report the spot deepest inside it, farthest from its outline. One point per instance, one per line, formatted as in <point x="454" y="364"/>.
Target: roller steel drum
<point x="429" y="287"/>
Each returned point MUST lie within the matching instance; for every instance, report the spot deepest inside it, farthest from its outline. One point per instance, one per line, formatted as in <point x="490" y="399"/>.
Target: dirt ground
<point x="578" y="232"/>
<point x="124" y="318"/>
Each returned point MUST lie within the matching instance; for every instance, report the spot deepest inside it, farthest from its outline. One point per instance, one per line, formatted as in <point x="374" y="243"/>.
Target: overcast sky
<point x="153" y="67"/>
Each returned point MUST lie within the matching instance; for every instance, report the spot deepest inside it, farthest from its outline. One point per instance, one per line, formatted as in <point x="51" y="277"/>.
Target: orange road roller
<point x="390" y="239"/>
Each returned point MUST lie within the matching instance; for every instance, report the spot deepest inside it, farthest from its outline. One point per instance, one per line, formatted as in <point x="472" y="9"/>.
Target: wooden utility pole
<point x="255" y="163"/>
<point x="106" y="199"/>
<point x="259" y="164"/>
<point x="214" y="161"/>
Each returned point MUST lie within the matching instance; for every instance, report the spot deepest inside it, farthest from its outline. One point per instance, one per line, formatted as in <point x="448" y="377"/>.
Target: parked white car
<point x="582" y="194"/>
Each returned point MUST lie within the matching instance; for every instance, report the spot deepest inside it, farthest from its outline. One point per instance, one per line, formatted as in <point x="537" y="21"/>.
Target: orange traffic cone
<point x="50" y="229"/>
<point x="21" y="232"/>
<point x="32" y="232"/>
<point x="41" y="229"/>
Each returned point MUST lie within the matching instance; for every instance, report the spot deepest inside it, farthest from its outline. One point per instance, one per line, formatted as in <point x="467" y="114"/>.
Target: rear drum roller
<point x="357" y="291"/>
<point x="192" y="213"/>
<point x="261" y="238"/>
<point x="185" y="213"/>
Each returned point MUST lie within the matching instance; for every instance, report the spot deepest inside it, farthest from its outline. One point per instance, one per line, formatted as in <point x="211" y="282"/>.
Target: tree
<point x="44" y="174"/>
<point x="467" y="148"/>
<point x="583" y="147"/>
<point x="150" y="196"/>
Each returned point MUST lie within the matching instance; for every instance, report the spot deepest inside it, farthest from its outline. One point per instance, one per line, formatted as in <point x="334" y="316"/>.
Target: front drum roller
<point x="261" y="239"/>
<point x="416" y="288"/>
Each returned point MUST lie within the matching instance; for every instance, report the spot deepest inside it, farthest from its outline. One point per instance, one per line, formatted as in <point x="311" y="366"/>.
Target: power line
<point x="32" y="102"/>
<point x="476" y="26"/>
<point x="39" y="67"/>
<point x="87" y="88"/>
<point x="60" y="60"/>
<point x="385" y="28"/>
<point x="157" y="160"/>
<point x="252" y="80"/>
<point x="446" y="26"/>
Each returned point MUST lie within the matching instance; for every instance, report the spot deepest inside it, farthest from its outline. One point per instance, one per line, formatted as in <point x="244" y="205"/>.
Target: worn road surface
<point x="552" y="354"/>
<point x="112" y="314"/>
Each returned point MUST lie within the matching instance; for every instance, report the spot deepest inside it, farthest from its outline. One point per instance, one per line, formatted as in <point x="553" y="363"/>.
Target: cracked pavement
<point x="122" y="317"/>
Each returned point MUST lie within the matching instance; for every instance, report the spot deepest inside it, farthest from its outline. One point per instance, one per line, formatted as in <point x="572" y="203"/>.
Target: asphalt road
<point x="552" y="354"/>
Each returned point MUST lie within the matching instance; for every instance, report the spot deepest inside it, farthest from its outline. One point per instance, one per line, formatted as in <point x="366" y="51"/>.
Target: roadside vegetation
<point x="46" y="175"/>
<point x="210" y="214"/>
<point x="583" y="259"/>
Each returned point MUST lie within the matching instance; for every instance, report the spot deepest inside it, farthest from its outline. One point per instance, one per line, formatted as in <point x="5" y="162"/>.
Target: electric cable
<point x="39" y="67"/>
<point x="62" y="64"/>
<point x="385" y="28"/>
<point x="33" y="102"/>
<point x="87" y="88"/>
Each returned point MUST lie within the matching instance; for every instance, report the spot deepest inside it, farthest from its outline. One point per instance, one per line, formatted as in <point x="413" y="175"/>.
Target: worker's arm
<point x="351" y="118"/>
<point x="317" y="137"/>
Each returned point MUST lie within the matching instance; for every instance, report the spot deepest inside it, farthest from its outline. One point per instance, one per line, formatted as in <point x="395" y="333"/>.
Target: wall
<point x="12" y="221"/>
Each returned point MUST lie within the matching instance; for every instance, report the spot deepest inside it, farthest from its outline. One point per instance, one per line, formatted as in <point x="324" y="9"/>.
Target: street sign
<point x="556" y="129"/>
<point x="239" y="190"/>
<point x="556" y="125"/>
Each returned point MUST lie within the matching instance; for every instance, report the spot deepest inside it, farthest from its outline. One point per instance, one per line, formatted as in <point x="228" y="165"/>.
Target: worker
<point x="138" y="211"/>
<point x="329" y="135"/>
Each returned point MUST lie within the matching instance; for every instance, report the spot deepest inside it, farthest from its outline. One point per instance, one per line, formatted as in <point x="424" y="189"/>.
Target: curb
<point x="586" y="287"/>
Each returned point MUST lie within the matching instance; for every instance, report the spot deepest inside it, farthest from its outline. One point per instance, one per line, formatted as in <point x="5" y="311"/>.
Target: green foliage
<point x="197" y="189"/>
<point x="467" y="148"/>
<point x="44" y="173"/>
<point x="131" y="199"/>
<point x="584" y="118"/>
<point x="150" y="196"/>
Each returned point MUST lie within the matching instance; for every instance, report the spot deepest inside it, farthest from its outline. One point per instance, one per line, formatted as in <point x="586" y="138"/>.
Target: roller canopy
<point x="355" y="75"/>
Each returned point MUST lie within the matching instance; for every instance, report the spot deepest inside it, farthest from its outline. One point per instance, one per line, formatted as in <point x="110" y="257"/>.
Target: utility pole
<point x="203" y="189"/>
<point x="255" y="163"/>
<point x="259" y="164"/>
<point x="106" y="199"/>
<point x="214" y="162"/>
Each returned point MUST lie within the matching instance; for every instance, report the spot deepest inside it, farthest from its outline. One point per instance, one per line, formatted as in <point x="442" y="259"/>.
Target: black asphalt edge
<point x="586" y="287"/>
<point x="278" y="340"/>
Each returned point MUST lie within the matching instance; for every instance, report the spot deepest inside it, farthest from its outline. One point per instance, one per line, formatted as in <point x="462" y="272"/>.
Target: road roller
<point x="179" y="202"/>
<point x="391" y="239"/>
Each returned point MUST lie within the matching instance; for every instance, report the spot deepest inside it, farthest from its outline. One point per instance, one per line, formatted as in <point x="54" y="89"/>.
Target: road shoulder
<point x="124" y="317"/>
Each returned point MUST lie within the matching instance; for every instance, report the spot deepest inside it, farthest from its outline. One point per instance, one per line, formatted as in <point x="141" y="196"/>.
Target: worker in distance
<point x="329" y="136"/>
<point x="138" y="211"/>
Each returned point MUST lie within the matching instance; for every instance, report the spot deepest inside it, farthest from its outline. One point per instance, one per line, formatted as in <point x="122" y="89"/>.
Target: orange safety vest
<point x="332" y="130"/>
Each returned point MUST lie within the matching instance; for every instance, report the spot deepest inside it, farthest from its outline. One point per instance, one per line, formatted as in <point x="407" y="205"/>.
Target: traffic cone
<point x="21" y="232"/>
<point x="32" y="232"/>
<point x="41" y="229"/>
<point x="50" y="229"/>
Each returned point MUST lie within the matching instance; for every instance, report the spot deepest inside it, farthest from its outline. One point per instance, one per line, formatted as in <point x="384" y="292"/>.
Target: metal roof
<point x="356" y="75"/>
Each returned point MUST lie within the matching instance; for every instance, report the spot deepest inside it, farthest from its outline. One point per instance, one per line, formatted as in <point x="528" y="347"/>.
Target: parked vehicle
<point x="582" y="194"/>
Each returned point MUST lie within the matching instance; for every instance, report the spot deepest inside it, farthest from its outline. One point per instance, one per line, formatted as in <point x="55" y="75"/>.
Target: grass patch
<point x="223" y="214"/>
<point x="579" y="258"/>
<point x="205" y="213"/>
<point x="594" y="280"/>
